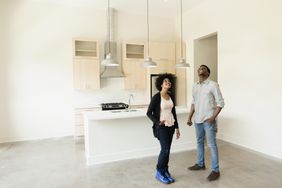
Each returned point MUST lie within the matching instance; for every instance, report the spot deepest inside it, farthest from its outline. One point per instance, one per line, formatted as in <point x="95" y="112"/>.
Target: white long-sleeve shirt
<point x="206" y="97"/>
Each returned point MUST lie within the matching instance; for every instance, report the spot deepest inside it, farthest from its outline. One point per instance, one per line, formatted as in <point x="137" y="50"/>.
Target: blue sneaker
<point x="162" y="178"/>
<point x="167" y="174"/>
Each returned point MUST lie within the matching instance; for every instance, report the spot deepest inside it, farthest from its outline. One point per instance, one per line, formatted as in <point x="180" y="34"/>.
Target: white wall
<point x="249" y="68"/>
<point x="3" y="96"/>
<point x="37" y="97"/>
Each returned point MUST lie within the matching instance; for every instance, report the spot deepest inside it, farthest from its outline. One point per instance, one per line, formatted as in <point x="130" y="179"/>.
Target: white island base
<point x="117" y="136"/>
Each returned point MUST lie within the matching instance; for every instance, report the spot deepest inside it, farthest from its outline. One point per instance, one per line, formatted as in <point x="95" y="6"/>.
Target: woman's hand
<point x="177" y="133"/>
<point x="162" y="122"/>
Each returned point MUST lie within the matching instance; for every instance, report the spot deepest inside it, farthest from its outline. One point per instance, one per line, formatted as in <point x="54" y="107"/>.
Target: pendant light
<point x="148" y="62"/>
<point x="182" y="62"/>
<point x="109" y="61"/>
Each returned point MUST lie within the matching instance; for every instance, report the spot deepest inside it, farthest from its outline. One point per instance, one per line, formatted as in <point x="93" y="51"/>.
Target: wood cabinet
<point x="163" y="66"/>
<point x="135" y="74"/>
<point x="133" y="51"/>
<point x="163" y="53"/>
<point x="181" y="77"/>
<point x="79" y="123"/>
<point x="86" y="64"/>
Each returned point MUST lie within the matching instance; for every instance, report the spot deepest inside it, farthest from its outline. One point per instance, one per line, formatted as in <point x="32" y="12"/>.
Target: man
<point x="206" y="104"/>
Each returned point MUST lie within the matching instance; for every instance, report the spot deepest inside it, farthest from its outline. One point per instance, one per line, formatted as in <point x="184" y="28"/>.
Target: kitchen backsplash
<point x="112" y="90"/>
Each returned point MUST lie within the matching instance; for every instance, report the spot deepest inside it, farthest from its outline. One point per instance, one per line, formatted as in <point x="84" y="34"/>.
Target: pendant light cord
<point x="181" y="29"/>
<point x="109" y="27"/>
<point x="148" y="51"/>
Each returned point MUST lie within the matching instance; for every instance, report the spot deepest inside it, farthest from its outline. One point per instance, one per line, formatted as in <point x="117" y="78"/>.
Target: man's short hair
<point x="209" y="71"/>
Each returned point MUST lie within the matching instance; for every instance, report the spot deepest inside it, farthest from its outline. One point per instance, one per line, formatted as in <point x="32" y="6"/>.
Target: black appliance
<point x="114" y="106"/>
<point x="154" y="90"/>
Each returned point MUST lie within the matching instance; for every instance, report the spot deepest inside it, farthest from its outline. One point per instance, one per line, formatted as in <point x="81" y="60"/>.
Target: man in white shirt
<point x="207" y="104"/>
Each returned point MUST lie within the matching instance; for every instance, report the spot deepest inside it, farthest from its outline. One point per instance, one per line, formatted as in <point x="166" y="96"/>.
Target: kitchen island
<point x="122" y="134"/>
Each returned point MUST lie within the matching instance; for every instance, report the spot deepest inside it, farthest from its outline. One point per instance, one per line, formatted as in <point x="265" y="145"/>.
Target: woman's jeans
<point x="165" y="138"/>
<point x="208" y="130"/>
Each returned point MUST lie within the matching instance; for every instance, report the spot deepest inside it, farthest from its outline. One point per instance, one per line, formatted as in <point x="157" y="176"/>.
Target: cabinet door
<point x="140" y="76"/>
<point x="128" y="67"/>
<point x="181" y="87"/>
<point x="163" y="66"/>
<point x="180" y="77"/>
<point x="86" y="74"/>
<point x="164" y="51"/>
<point x="135" y="75"/>
<point x="178" y="51"/>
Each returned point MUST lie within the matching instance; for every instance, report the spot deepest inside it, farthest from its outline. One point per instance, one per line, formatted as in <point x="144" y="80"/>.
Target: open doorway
<point x="205" y="52"/>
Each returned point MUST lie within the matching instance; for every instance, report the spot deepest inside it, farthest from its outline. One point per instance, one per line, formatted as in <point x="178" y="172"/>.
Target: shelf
<point x="137" y="53"/>
<point x="86" y="53"/>
<point x="84" y="48"/>
<point x="134" y="51"/>
<point x="135" y="56"/>
<point x="94" y="51"/>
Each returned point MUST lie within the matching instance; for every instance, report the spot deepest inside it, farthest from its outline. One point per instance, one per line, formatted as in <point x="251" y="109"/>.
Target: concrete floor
<point x="59" y="163"/>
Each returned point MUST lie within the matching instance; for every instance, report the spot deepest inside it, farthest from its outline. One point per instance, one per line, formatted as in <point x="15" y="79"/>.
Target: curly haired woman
<point x="162" y="112"/>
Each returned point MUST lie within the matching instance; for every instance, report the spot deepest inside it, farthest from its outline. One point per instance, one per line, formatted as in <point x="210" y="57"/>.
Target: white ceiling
<point x="161" y="8"/>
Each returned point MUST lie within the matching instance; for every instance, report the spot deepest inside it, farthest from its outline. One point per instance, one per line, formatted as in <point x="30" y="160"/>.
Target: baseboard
<point x="11" y="140"/>
<point x="242" y="146"/>
<point x="219" y="136"/>
<point x="154" y="151"/>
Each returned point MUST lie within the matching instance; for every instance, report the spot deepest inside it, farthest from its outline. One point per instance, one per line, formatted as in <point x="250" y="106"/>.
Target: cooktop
<point x="114" y="106"/>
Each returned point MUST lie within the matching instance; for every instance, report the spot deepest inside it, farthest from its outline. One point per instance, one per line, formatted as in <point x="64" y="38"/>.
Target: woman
<point x="162" y="112"/>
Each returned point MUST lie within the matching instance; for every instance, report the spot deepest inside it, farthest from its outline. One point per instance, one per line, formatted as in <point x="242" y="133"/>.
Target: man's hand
<point x="192" y="110"/>
<point x="210" y="120"/>
<point x="177" y="133"/>
<point x="189" y="122"/>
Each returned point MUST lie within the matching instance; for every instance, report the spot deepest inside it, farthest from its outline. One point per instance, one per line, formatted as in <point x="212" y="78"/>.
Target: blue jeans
<point x="209" y="130"/>
<point x="165" y="138"/>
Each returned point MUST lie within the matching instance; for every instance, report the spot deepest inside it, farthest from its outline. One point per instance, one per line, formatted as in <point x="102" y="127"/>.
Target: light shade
<point x="148" y="62"/>
<point x="182" y="64"/>
<point x="109" y="61"/>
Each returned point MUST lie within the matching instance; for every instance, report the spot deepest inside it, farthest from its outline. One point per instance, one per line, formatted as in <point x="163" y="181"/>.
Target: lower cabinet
<point x="79" y="123"/>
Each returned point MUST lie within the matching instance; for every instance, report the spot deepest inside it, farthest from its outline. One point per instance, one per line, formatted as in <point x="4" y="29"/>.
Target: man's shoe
<point x="197" y="167"/>
<point x="162" y="178"/>
<point x="213" y="176"/>
<point x="167" y="174"/>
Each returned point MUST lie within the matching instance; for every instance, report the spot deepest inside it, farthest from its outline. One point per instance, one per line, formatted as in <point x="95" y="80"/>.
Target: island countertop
<point x="118" y="114"/>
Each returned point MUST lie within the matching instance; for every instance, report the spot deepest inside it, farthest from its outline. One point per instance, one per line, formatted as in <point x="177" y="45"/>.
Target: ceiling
<point x="160" y="8"/>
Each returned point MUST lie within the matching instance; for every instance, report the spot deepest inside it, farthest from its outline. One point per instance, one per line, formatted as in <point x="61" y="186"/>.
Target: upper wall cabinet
<point x="133" y="50"/>
<point x="86" y="64"/>
<point x="164" y="51"/>
<point x="135" y="74"/>
<point x="85" y="48"/>
<point x="181" y="77"/>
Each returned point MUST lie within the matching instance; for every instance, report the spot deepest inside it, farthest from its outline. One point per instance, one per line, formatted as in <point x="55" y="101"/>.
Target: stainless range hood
<point x="112" y="72"/>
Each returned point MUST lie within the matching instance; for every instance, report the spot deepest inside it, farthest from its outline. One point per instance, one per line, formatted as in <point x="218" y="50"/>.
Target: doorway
<point x="205" y="52"/>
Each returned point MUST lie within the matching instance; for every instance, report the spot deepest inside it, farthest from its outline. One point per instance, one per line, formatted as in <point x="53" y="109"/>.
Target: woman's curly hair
<point x="160" y="79"/>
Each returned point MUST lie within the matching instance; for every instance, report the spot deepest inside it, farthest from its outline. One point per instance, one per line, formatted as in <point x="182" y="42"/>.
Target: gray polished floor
<point x="60" y="163"/>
